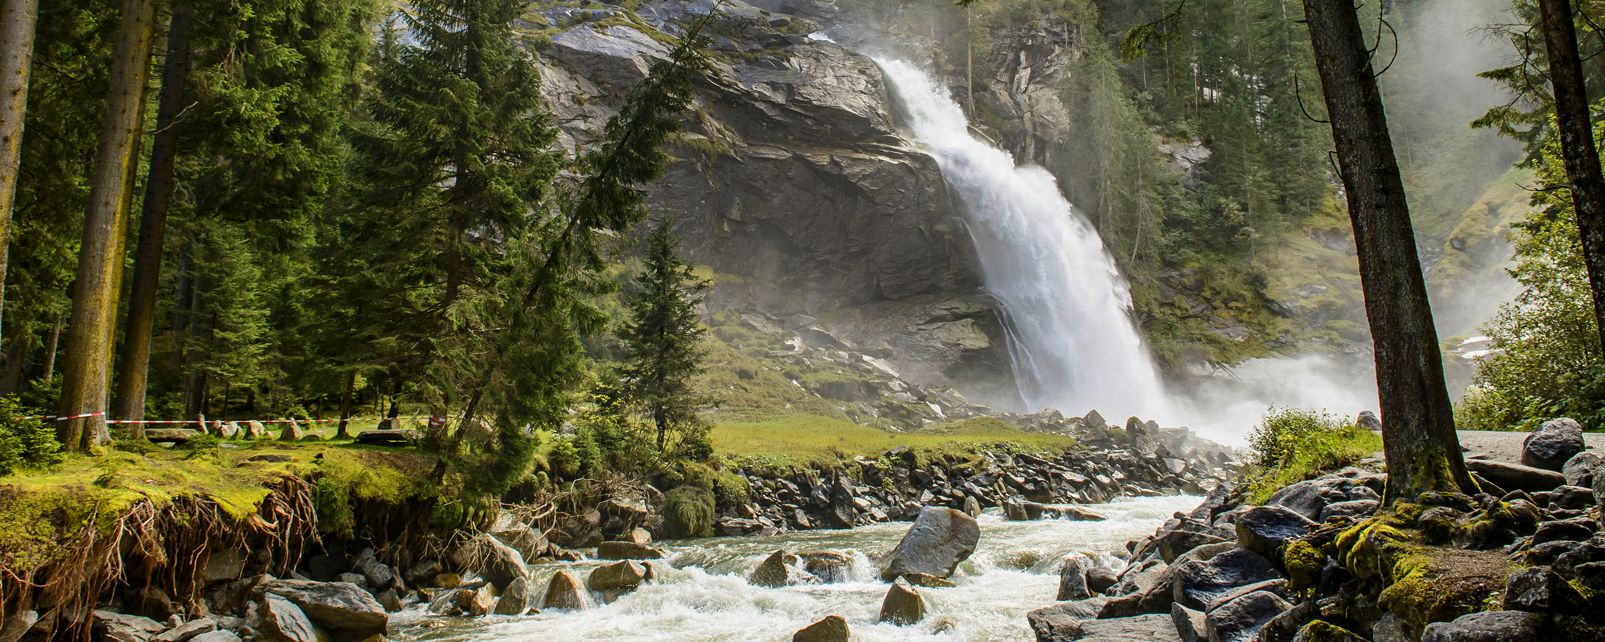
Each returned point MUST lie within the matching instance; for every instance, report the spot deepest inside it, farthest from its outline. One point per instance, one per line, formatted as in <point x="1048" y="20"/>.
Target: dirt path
<point x="1506" y="446"/>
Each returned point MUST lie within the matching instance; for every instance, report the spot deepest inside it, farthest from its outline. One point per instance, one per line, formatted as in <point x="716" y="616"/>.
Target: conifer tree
<point x="663" y="342"/>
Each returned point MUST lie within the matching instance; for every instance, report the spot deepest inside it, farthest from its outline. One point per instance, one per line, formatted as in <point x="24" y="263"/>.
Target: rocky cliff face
<point x="793" y="183"/>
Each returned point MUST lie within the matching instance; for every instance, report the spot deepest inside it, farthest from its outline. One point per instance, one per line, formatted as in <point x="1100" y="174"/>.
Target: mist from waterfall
<point x="1073" y="343"/>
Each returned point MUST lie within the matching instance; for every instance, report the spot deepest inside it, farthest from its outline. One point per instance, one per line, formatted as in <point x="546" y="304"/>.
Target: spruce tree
<point x="663" y="343"/>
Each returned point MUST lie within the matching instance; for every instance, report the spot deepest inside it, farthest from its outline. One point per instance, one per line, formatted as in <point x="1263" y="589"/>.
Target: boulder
<point x="255" y="429"/>
<point x="1191" y="625"/>
<point x="1579" y="470"/>
<point x="1073" y="577"/>
<point x="514" y="532"/>
<point x="841" y="512"/>
<point x="939" y="539"/>
<point x="121" y="627"/>
<point x="1198" y="582"/>
<point x="618" y="577"/>
<point x="1241" y="619"/>
<point x="1143" y="628"/>
<point x="1487" y="626"/>
<point x="391" y="600"/>
<point x="829" y="566"/>
<point x="1540" y="590"/>
<point x="1319" y="631"/>
<point x="497" y="562"/>
<point x="564" y="592"/>
<point x="473" y="602"/>
<point x="627" y="551"/>
<point x="515" y="598"/>
<point x="1548" y="447"/>
<point x="1358" y="508"/>
<point x="219" y="635"/>
<point x="1100" y="578"/>
<point x="340" y="607"/>
<point x="292" y="431"/>
<point x="831" y="629"/>
<point x="1265" y="529"/>
<point x="1186" y="536"/>
<point x="1056" y="623"/>
<point x="1368" y="420"/>
<point x="278" y="620"/>
<point x="230" y="430"/>
<point x="780" y="569"/>
<point x="377" y="575"/>
<point x="1516" y="476"/>
<point x="177" y="436"/>
<point x="927" y="581"/>
<point x="903" y="604"/>
<point x="223" y="565"/>
<point x="972" y="506"/>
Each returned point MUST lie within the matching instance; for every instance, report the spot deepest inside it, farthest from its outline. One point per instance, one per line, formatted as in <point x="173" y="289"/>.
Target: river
<point x="704" y="595"/>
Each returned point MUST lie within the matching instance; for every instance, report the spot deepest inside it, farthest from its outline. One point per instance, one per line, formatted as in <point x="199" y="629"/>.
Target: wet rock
<point x="1556" y="441"/>
<point x="126" y="628"/>
<point x="737" y="526"/>
<point x="927" y="581"/>
<point x="1057" y="622"/>
<point x="391" y="600"/>
<point x="564" y="592"/>
<point x="1265" y="529"/>
<point x="780" y="569"/>
<point x="217" y="636"/>
<point x="377" y="575"/>
<point x="515" y="598"/>
<point x="903" y="604"/>
<point x="842" y="512"/>
<point x="530" y="543"/>
<point x="627" y="551"/>
<point x="423" y="573"/>
<point x="490" y="558"/>
<point x="1190" y="624"/>
<point x="831" y="629"/>
<point x="972" y="507"/>
<point x="939" y="539"/>
<point x="618" y="577"/>
<point x="1516" y="476"/>
<point x="1073" y="577"/>
<point x="341" y="607"/>
<point x="1186" y="536"/>
<point x="1488" y="626"/>
<point x="1145" y="628"/>
<point x="1101" y="578"/>
<point x="943" y="625"/>
<point x="829" y="566"/>
<point x="1073" y="513"/>
<point x="473" y="602"/>
<point x="278" y="620"/>
<point x="1579" y="470"/>
<point x="1198" y="582"/>
<point x="1240" y="620"/>
<point x="1540" y="590"/>
<point x="1016" y="509"/>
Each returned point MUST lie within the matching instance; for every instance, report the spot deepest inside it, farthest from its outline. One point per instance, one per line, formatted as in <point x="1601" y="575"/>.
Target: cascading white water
<point x="1073" y="343"/>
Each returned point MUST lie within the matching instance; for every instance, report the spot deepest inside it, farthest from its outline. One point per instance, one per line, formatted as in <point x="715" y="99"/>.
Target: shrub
<point x="1290" y="445"/>
<point x="332" y="500"/>
<point x="24" y="443"/>
<point x="564" y="458"/>
<point x="688" y="512"/>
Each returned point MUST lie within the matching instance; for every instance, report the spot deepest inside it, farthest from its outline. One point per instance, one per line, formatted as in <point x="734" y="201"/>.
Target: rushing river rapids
<point x="703" y="593"/>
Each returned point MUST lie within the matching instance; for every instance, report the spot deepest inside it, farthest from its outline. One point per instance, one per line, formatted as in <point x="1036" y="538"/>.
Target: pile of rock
<point x="898" y="485"/>
<point x="1320" y="561"/>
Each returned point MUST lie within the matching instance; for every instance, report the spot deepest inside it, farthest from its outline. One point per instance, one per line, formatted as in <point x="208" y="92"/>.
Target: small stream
<point x="703" y="593"/>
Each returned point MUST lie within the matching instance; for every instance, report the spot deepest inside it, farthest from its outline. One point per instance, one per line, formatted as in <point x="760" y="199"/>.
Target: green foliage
<point x="1546" y="359"/>
<point x="24" y="443"/>
<point x="1291" y="445"/>
<point x="663" y="348"/>
<point x="688" y="512"/>
<point x="332" y="500"/>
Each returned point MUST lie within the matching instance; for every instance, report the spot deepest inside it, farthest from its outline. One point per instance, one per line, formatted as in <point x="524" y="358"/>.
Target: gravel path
<point x="1506" y="446"/>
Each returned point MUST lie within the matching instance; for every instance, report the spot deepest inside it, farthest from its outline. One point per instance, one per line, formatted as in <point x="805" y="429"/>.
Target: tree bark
<point x="51" y="347"/>
<point x="345" y="406"/>
<point x="86" y="370"/>
<point x="1418" y="432"/>
<point x="18" y="22"/>
<point x="133" y="376"/>
<point x="1576" y="128"/>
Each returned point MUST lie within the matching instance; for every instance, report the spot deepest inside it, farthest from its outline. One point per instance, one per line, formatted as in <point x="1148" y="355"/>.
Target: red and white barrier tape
<point x="180" y="422"/>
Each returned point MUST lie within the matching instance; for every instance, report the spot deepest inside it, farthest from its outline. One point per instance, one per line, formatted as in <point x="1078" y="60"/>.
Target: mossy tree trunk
<point x="1418" y="432"/>
<point x="1576" y="130"/>
<point x="159" y="187"/>
<point x="18" y="22"/>
<point x="86" y="370"/>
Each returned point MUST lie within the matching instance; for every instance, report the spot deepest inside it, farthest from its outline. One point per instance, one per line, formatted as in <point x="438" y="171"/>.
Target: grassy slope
<point x="804" y="439"/>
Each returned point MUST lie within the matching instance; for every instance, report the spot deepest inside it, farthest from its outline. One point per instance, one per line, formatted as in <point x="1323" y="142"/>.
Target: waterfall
<point x="1073" y="344"/>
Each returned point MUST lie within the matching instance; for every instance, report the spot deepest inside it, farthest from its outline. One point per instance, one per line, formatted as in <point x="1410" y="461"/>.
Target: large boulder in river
<point x="1552" y="444"/>
<point x="939" y="539"/>
<point x="618" y="577"/>
<point x="564" y="592"/>
<point x="831" y="629"/>
<point x="779" y="570"/>
<point x="903" y="604"/>
<point x="497" y="562"/>
<point x="1073" y="577"/>
<point x="627" y="551"/>
<point x="515" y="600"/>
<point x="341" y="608"/>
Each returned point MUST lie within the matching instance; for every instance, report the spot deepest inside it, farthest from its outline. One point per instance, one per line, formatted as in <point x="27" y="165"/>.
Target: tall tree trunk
<point x="85" y="373"/>
<point x="1418" y="432"/>
<point x="345" y="406"/>
<point x="18" y="21"/>
<point x="133" y="376"/>
<point x="51" y="347"/>
<point x="1576" y="130"/>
